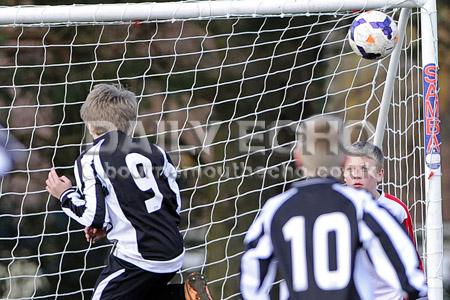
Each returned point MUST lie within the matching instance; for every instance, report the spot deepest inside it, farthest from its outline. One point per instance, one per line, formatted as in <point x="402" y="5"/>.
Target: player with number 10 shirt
<point x="317" y="235"/>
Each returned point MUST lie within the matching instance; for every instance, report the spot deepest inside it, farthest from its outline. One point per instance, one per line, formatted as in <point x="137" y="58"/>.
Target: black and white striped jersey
<point x="130" y="188"/>
<point x="315" y="235"/>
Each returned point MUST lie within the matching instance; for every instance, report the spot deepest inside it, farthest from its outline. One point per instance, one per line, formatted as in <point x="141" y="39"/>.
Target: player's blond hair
<point x="320" y="146"/>
<point x="368" y="150"/>
<point x="109" y="107"/>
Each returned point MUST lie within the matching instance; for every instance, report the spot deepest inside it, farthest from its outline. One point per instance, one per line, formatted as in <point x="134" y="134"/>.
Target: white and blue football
<point x="373" y="35"/>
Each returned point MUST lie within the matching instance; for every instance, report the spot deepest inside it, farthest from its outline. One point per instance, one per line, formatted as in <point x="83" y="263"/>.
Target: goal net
<point x="222" y="91"/>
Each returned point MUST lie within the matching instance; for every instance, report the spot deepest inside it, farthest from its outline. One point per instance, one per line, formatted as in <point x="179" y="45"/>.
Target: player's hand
<point x="57" y="185"/>
<point x="94" y="234"/>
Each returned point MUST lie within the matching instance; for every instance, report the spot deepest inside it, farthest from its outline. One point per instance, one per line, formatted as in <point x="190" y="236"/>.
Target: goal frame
<point x="66" y="14"/>
<point x="187" y="10"/>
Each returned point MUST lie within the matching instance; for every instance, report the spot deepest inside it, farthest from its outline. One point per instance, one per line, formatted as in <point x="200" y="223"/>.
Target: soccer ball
<point x="373" y="35"/>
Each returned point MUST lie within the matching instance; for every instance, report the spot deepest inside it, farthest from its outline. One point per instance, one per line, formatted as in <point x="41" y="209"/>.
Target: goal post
<point x="432" y="144"/>
<point x="222" y="86"/>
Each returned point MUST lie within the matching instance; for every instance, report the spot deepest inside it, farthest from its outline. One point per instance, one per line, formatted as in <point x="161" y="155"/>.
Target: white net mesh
<point x="223" y="96"/>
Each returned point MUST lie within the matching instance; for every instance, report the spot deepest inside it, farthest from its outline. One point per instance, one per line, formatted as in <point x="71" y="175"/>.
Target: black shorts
<point x="122" y="280"/>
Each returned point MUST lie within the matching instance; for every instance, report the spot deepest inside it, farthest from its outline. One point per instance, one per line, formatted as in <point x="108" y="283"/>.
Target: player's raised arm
<point x="391" y="251"/>
<point x="84" y="202"/>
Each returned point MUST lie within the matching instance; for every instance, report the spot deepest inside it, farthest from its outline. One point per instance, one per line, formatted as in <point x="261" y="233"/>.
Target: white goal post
<point x="222" y="86"/>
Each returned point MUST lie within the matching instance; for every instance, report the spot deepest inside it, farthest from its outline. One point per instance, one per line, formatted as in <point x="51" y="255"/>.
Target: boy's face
<point x="362" y="173"/>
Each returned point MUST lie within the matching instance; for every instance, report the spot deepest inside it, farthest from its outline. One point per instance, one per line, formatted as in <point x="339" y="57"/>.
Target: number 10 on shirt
<point x="326" y="279"/>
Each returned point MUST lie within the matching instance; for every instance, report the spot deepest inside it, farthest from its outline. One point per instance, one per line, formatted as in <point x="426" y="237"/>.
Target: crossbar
<point x="185" y="10"/>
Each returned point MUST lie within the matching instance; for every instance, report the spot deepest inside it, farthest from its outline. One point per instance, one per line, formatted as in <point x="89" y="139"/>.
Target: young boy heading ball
<point x="127" y="191"/>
